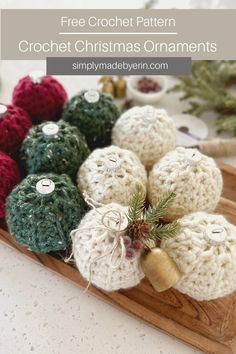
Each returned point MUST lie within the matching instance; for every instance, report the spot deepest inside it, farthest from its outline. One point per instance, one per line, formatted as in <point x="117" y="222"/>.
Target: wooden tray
<point x="208" y="325"/>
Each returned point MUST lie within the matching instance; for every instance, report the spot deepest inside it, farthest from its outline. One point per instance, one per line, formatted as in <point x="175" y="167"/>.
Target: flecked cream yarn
<point x="205" y="252"/>
<point x="98" y="252"/>
<point x="111" y="174"/>
<point x="147" y="131"/>
<point x="194" y="177"/>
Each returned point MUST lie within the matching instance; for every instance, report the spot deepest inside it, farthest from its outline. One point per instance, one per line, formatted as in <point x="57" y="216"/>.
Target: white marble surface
<point x="41" y="312"/>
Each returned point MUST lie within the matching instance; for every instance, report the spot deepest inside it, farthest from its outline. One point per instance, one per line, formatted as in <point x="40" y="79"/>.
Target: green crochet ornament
<point x="95" y="114"/>
<point x="42" y="211"/>
<point x="54" y="147"/>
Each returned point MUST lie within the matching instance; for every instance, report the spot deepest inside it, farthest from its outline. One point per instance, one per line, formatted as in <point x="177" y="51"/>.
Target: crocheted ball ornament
<point x="111" y="175"/>
<point x="94" y="113"/>
<point x="42" y="210"/>
<point x="194" y="177"/>
<point x="14" y="125"/>
<point x="205" y="252"/>
<point x="99" y="250"/>
<point x="147" y="131"/>
<point x="9" y="177"/>
<point x="54" y="147"/>
<point x="42" y="96"/>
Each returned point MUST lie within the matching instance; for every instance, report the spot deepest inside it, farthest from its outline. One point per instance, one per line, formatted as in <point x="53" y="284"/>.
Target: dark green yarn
<point x="43" y="223"/>
<point x="94" y="120"/>
<point x="63" y="153"/>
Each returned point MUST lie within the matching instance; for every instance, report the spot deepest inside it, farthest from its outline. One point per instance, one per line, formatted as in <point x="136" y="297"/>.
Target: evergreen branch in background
<point x="154" y="213"/>
<point x="207" y="90"/>
<point x="136" y="206"/>
<point x="225" y="122"/>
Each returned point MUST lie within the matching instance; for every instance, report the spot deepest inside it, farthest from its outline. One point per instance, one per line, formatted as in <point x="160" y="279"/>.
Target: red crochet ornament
<point x="14" y="126"/>
<point x="42" y="96"/>
<point x="9" y="177"/>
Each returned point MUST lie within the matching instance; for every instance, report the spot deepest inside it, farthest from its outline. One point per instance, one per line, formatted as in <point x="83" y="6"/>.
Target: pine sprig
<point x="136" y="206"/>
<point x="145" y="225"/>
<point x="154" y="213"/>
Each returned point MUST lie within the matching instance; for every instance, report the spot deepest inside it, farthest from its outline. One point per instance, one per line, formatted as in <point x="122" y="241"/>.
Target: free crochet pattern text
<point x="117" y="22"/>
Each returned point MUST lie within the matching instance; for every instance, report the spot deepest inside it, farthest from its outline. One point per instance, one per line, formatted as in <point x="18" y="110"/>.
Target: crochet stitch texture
<point x="94" y="120"/>
<point x="208" y="269"/>
<point x="147" y="131"/>
<point x="14" y="126"/>
<point x="43" y="222"/>
<point x="92" y="240"/>
<point x="43" y="101"/>
<point x="62" y="153"/>
<point x="197" y="184"/>
<point x="9" y="177"/>
<point x="106" y="183"/>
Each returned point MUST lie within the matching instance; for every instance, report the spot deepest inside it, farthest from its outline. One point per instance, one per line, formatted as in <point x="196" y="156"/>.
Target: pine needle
<point x="159" y="209"/>
<point x="136" y="206"/>
<point x="164" y="231"/>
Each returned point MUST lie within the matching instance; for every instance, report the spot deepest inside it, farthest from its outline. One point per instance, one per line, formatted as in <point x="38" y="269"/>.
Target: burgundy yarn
<point x="43" y="101"/>
<point x="9" y="177"/>
<point x="14" y="126"/>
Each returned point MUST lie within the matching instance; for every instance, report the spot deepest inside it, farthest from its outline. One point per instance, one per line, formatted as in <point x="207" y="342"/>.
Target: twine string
<point x="91" y="202"/>
<point x="108" y="217"/>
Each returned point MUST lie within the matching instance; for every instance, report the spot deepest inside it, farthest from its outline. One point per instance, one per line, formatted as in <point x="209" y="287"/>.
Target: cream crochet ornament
<point x="194" y="177"/>
<point x="147" y="131"/>
<point x="205" y="252"/>
<point x="111" y="174"/>
<point x="99" y="249"/>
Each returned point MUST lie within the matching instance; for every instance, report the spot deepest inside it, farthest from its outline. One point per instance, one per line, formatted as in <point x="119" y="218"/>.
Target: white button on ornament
<point x="92" y="96"/>
<point x="50" y="130"/>
<point x="112" y="163"/>
<point x="3" y="110"/>
<point x="215" y="234"/>
<point x="36" y="76"/>
<point x="115" y="220"/>
<point x="193" y="156"/>
<point x="45" y="186"/>
<point x="150" y="113"/>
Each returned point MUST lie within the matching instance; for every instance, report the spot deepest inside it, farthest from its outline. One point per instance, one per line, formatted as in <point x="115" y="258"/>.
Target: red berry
<point x="130" y="253"/>
<point x="137" y="245"/>
<point x="127" y="241"/>
<point x="147" y="85"/>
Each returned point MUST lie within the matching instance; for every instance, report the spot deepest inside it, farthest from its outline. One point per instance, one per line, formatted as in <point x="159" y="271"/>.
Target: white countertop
<point x="42" y="313"/>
